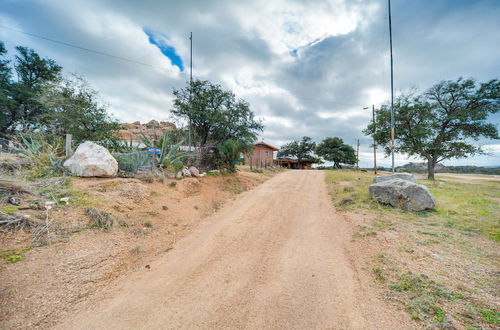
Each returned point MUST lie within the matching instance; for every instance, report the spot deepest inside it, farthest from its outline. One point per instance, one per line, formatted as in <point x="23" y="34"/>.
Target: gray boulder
<point x="402" y="176"/>
<point x="194" y="171"/>
<point x="90" y="160"/>
<point x="402" y="194"/>
<point x="185" y="172"/>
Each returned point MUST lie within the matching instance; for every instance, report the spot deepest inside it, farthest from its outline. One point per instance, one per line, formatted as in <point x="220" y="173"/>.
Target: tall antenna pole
<point x="191" y="63"/>
<point x="374" y="143"/>
<point x="392" y="88"/>
<point x="190" y="83"/>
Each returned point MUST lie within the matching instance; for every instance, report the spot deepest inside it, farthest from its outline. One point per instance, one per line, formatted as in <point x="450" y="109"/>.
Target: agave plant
<point x="45" y="156"/>
<point x="170" y="156"/>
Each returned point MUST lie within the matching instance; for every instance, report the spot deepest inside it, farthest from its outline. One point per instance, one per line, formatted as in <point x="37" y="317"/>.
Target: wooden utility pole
<point x="357" y="156"/>
<point x="69" y="152"/>
<point x="374" y="143"/>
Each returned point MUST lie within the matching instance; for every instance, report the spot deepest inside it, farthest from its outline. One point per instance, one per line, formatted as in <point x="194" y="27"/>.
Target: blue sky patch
<point x="161" y="42"/>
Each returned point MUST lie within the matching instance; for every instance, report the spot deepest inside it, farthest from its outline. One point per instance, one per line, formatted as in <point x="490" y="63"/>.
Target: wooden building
<point x="261" y="156"/>
<point x="293" y="163"/>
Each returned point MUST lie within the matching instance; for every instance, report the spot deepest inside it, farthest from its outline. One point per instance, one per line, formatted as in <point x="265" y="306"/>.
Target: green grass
<point x="14" y="255"/>
<point x="489" y="316"/>
<point x="423" y="298"/>
<point x="468" y="208"/>
<point x="59" y="190"/>
<point x="9" y="209"/>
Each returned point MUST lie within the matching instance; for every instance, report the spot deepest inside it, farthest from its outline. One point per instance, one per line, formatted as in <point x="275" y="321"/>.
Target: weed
<point x="148" y="224"/>
<point x="14" y="255"/>
<point x="489" y="316"/>
<point x="216" y="205"/>
<point x="379" y="275"/>
<point x="153" y="213"/>
<point x="440" y="314"/>
<point x="9" y="209"/>
<point x="172" y="184"/>
<point x="427" y="233"/>
<point x="136" y="250"/>
<point x="234" y="186"/>
<point x="99" y="219"/>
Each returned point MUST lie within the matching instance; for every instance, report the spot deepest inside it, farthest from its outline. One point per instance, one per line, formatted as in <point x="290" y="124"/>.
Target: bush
<point x="44" y="152"/>
<point x="131" y="162"/>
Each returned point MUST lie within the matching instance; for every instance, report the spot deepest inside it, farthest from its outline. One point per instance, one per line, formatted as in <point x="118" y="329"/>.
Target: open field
<point x="441" y="266"/>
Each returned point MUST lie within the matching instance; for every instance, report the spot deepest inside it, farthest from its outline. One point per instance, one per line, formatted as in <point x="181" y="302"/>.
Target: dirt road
<point x="275" y="257"/>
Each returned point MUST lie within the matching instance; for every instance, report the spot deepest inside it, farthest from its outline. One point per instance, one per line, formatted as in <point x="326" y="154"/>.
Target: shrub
<point x="44" y="152"/>
<point x="131" y="162"/>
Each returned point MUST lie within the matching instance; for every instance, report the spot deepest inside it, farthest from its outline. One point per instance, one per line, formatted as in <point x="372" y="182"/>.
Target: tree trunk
<point x="431" y="164"/>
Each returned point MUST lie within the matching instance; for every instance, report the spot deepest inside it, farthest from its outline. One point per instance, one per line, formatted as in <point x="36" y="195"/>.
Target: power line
<point x="98" y="52"/>
<point x="81" y="48"/>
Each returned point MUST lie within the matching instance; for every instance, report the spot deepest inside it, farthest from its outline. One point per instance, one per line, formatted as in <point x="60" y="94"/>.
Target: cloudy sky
<point x="306" y="67"/>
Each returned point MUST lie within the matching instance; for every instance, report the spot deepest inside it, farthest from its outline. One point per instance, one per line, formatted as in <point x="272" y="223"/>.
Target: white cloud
<point x="341" y="66"/>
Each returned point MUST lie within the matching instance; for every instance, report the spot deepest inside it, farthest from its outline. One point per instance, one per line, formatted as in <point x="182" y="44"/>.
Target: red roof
<point x="267" y="145"/>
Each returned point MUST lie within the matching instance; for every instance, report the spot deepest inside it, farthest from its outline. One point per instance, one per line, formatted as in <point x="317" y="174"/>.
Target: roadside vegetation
<point x="441" y="265"/>
<point x="441" y="123"/>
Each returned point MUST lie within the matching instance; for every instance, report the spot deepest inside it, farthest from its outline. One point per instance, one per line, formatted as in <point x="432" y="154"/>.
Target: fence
<point x="7" y="146"/>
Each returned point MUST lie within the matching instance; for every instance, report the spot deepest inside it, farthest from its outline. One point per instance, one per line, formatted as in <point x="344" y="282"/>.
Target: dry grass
<point x="441" y="265"/>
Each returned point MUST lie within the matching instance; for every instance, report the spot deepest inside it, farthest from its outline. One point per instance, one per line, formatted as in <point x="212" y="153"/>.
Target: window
<point x="267" y="154"/>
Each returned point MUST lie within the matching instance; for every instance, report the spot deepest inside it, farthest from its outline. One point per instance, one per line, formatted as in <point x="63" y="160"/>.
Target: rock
<point x="91" y="160"/>
<point x="194" y="171"/>
<point x="136" y="123"/>
<point x="185" y="172"/>
<point x="402" y="194"/>
<point x="153" y="124"/>
<point x="13" y="200"/>
<point x="178" y="175"/>
<point x="402" y="176"/>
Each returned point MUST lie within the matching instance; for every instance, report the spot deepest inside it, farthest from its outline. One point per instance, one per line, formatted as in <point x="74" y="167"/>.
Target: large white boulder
<point x="402" y="194"/>
<point x="90" y="160"/>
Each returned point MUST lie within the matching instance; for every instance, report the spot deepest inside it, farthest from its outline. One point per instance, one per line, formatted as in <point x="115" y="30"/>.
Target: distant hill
<point x="422" y="168"/>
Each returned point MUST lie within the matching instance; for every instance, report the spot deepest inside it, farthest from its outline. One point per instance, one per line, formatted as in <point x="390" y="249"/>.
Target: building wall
<point x="261" y="156"/>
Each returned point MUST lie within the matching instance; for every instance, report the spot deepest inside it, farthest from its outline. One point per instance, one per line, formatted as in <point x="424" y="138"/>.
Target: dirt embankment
<point x="149" y="218"/>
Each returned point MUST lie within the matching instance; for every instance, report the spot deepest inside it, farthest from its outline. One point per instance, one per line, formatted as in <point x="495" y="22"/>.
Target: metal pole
<point x="392" y="88"/>
<point x="374" y="143"/>
<point x="190" y="83"/>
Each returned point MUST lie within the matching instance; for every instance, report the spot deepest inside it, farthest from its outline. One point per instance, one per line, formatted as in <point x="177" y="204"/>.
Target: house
<point x="293" y="163"/>
<point x="262" y="155"/>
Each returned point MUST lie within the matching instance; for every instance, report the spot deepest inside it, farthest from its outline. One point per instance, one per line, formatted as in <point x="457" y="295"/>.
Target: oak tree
<point x="444" y="122"/>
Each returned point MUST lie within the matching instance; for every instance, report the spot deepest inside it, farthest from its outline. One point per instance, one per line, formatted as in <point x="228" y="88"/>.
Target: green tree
<point x="32" y="72"/>
<point x="5" y="76"/>
<point x="73" y="107"/>
<point x="441" y="123"/>
<point x="303" y="150"/>
<point x="216" y="116"/>
<point x="333" y="149"/>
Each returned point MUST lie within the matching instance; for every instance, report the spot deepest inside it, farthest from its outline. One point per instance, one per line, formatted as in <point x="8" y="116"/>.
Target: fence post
<point x="68" y="145"/>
